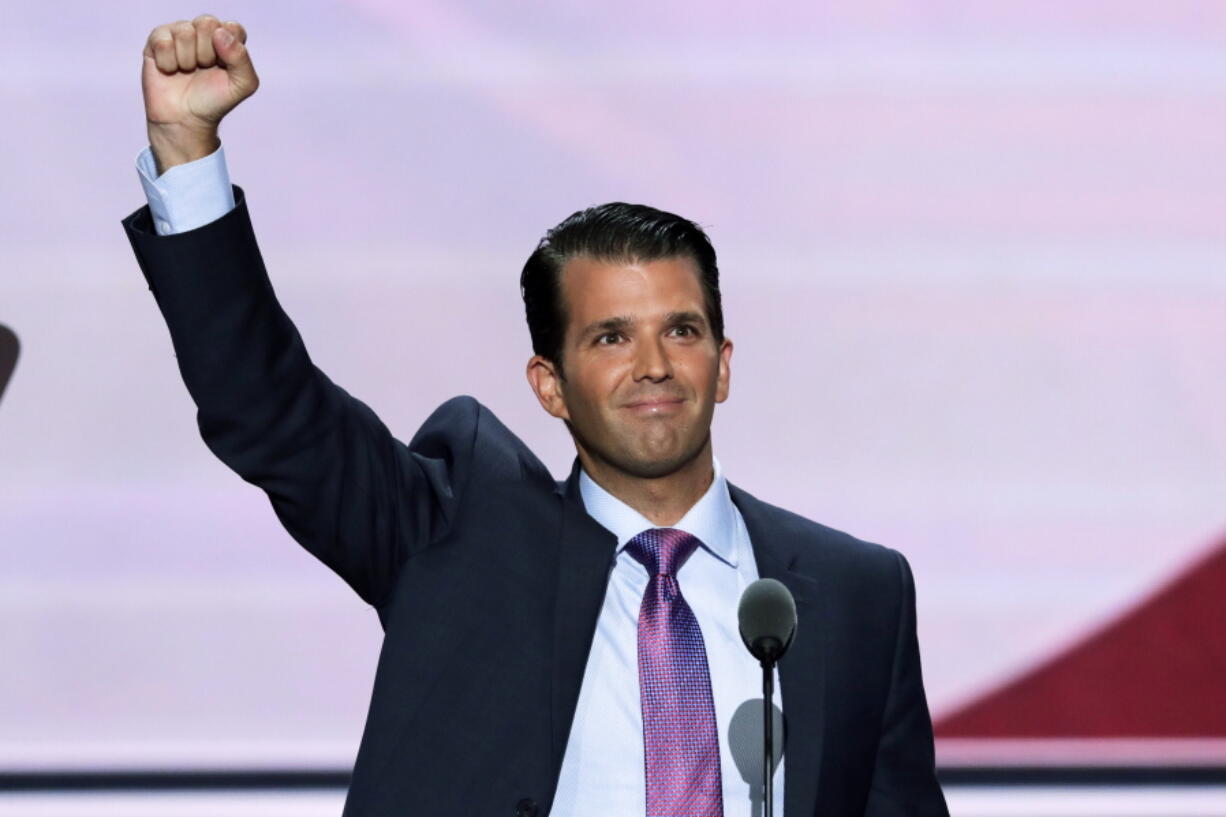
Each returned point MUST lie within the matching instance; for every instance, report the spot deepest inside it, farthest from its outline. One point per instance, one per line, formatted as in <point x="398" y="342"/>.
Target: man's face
<point x="642" y="370"/>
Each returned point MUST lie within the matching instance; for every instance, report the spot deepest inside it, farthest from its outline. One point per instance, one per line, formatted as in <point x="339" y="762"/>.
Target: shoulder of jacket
<point x="474" y="431"/>
<point x="834" y="547"/>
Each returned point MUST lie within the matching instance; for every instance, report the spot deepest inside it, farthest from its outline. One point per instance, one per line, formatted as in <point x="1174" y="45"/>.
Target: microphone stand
<point x="767" y="620"/>
<point x="770" y="654"/>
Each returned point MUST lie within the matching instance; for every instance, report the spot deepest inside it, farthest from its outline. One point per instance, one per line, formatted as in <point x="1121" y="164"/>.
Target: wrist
<point x="176" y="145"/>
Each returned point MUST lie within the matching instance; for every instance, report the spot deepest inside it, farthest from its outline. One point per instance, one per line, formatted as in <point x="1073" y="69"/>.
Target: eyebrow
<point x="617" y="324"/>
<point x="623" y="322"/>
<point x="674" y="318"/>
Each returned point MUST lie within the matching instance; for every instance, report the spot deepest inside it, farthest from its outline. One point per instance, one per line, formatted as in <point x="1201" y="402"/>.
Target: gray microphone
<point x="767" y="620"/>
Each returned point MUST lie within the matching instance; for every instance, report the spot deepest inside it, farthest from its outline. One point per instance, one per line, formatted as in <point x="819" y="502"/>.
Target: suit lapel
<point x="802" y="669"/>
<point x="586" y="553"/>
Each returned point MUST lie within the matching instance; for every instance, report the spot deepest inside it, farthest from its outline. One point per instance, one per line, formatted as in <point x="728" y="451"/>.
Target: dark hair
<point x="610" y="232"/>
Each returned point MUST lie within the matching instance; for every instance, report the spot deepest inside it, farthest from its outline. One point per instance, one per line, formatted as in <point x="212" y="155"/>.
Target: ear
<point x="546" y="383"/>
<point x="723" y="379"/>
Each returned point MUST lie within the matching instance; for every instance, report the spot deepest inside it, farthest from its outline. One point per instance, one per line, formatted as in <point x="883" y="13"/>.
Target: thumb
<point x="233" y="55"/>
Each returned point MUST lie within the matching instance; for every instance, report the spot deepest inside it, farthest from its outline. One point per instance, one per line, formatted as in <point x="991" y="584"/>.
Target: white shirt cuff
<point x="188" y="195"/>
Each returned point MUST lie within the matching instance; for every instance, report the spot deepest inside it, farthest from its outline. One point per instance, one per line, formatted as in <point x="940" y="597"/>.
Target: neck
<point x="664" y="499"/>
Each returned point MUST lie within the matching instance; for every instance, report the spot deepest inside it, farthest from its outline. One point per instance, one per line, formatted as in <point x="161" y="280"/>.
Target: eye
<point x="684" y="331"/>
<point x="608" y="338"/>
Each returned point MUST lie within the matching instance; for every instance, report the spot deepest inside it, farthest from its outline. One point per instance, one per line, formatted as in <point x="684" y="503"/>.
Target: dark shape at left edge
<point x="9" y="346"/>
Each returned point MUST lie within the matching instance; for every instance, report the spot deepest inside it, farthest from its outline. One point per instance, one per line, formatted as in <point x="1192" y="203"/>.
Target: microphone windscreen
<point x="767" y="618"/>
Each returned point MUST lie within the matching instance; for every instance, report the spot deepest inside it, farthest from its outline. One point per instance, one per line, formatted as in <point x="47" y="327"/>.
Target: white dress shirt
<point x="602" y="770"/>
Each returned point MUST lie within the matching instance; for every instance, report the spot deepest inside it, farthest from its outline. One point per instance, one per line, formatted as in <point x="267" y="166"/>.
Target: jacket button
<point x="526" y="808"/>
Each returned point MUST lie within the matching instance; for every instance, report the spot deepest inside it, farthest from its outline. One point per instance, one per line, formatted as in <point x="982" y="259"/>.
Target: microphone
<point x="767" y="621"/>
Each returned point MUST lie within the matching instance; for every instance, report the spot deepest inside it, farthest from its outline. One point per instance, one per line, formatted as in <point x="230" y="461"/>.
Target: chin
<point x="651" y="469"/>
<point x="658" y="463"/>
<point x="640" y="452"/>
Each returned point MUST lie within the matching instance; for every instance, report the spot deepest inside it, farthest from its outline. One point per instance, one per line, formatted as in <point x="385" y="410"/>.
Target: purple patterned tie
<point x="679" y="736"/>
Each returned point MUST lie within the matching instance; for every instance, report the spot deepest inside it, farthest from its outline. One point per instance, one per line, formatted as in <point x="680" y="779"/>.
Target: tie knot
<point x="662" y="550"/>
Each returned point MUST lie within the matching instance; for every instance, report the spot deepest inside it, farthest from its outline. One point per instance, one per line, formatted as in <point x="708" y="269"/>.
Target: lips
<point x="655" y="405"/>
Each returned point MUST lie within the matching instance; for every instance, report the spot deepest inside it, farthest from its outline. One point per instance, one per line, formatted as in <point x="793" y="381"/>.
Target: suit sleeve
<point x="350" y="493"/>
<point x="904" y="778"/>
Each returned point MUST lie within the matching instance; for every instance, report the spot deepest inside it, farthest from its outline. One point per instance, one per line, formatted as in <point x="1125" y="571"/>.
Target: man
<point x="565" y="649"/>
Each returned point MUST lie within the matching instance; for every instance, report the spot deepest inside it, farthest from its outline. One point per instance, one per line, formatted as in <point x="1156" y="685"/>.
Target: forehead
<point x="594" y="288"/>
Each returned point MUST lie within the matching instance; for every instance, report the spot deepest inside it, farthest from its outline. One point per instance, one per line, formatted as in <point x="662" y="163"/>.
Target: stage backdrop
<point x="973" y="261"/>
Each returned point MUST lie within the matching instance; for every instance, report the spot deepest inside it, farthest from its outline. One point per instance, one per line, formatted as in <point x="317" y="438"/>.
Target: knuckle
<point x="204" y="18"/>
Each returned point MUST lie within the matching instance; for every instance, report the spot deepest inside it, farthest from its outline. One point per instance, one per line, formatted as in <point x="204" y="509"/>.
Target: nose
<point x="652" y="362"/>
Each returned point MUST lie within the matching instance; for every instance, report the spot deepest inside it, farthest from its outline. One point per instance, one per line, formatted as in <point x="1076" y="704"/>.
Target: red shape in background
<point x="1159" y="671"/>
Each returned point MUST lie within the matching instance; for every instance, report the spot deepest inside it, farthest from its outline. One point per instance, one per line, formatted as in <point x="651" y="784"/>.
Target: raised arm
<point x="342" y="485"/>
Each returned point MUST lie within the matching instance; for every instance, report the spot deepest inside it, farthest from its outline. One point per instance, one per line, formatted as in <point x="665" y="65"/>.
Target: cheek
<point x="702" y="371"/>
<point x="599" y="377"/>
<point x="585" y="393"/>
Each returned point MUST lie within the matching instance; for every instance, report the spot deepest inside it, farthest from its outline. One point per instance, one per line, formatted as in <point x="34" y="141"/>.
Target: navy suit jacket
<point x="488" y="575"/>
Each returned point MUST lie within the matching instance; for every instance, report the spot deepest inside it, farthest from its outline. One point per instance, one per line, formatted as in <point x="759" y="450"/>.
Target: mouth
<point x="653" y="406"/>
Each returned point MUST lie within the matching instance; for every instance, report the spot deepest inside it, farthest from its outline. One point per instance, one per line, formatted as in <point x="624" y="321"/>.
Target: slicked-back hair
<point x="619" y="233"/>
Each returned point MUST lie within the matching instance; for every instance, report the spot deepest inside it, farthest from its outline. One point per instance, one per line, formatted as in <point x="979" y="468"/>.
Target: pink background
<point x="973" y="264"/>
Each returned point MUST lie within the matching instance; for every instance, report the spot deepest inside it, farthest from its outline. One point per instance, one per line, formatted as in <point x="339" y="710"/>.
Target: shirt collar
<point x="712" y="519"/>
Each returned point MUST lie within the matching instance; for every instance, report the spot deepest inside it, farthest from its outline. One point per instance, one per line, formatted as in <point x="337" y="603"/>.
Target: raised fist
<point x="194" y="74"/>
